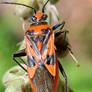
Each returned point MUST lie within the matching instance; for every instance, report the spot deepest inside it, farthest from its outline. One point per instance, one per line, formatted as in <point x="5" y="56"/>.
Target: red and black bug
<point x="42" y="63"/>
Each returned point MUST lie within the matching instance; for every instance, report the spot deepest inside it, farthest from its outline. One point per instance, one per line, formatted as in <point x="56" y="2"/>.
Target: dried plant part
<point x="64" y="48"/>
<point x="73" y="57"/>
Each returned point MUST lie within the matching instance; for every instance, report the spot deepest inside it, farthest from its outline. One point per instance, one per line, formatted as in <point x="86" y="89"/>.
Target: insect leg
<point x="64" y="75"/>
<point x="18" y="55"/>
<point x="22" y="60"/>
<point x="60" y="31"/>
<point x="58" y="25"/>
<point x="22" y="52"/>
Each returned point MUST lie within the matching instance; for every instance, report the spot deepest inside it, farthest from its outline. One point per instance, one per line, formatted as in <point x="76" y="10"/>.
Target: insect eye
<point x="44" y="17"/>
<point x="34" y="19"/>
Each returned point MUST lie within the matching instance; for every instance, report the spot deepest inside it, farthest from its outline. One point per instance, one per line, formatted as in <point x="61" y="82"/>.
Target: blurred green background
<point x="8" y="41"/>
<point x="79" y="24"/>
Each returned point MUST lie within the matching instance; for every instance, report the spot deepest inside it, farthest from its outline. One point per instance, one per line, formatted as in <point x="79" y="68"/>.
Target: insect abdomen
<point x="43" y="80"/>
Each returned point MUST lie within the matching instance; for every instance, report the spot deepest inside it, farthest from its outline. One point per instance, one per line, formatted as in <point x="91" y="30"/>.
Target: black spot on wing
<point x="45" y="31"/>
<point x="41" y="38"/>
<point x="31" y="61"/>
<point x="50" y="59"/>
<point x="34" y="38"/>
<point x="31" y="46"/>
<point x="30" y="32"/>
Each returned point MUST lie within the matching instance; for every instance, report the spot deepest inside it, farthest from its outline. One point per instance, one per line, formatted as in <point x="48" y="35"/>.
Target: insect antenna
<point x="12" y="3"/>
<point x="45" y="5"/>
